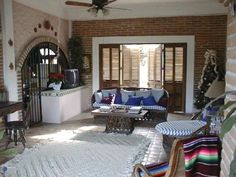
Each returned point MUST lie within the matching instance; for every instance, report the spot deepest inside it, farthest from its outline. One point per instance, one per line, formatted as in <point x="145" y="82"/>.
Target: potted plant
<point x="76" y="52"/>
<point x="55" y="80"/>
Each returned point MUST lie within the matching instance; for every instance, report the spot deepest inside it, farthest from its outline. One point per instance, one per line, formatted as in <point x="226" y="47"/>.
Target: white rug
<point x="87" y="155"/>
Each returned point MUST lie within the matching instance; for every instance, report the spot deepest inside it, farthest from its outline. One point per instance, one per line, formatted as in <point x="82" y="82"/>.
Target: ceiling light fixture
<point x="94" y="11"/>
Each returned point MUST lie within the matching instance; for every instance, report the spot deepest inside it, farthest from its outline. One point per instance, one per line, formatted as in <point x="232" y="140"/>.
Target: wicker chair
<point x="176" y="164"/>
<point x="179" y="166"/>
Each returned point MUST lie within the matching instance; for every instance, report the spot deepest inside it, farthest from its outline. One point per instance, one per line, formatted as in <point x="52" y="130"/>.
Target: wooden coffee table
<point x="120" y="122"/>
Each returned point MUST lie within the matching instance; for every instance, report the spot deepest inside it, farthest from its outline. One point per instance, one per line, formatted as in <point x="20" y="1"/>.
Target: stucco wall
<point x="26" y="20"/>
<point x="1" y="57"/>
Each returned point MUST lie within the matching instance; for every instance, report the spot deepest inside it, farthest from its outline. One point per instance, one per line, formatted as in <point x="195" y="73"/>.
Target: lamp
<point x="94" y="11"/>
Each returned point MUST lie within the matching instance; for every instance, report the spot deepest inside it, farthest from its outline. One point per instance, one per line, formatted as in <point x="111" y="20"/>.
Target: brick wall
<point x="209" y="31"/>
<point x="229" y="143"/>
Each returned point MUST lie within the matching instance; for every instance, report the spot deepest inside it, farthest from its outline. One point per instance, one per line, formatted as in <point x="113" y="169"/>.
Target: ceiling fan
<point x="95" y="6"/>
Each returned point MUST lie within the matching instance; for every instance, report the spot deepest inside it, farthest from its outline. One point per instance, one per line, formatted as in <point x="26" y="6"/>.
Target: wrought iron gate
<point x="41" y="61"/>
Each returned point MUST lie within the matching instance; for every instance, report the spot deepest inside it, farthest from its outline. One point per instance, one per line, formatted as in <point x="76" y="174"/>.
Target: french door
<point x="145" y="65"/>
<point x="110" y="66"/>
<point x="174" y="75"/>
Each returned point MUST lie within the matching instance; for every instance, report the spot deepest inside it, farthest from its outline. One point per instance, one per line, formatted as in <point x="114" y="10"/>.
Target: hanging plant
<point x="76" y="51"/>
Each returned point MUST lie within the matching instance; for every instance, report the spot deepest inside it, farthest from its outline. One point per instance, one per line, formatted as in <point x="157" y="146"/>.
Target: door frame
<point x="184" y="45"/>
<point x="189" y="39"/>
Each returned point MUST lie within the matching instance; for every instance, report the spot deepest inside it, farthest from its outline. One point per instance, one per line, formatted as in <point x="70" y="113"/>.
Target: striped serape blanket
<point x="202" y="156"/>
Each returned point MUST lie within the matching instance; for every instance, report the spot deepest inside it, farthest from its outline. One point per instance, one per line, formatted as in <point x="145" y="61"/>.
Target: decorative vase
<point x="55" y="86"/>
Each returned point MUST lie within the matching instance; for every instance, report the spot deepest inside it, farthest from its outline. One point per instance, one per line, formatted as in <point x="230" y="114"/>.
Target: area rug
<point x="86" y="155"/>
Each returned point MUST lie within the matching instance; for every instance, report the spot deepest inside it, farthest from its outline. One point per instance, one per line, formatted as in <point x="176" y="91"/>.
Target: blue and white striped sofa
<point x="157" y="112"/>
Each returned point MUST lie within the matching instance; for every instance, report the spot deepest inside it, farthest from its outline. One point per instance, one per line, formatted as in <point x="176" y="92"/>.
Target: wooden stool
<point x="17" y="128"/>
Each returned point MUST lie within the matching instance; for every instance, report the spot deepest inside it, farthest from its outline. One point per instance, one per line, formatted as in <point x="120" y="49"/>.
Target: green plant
<point x="56" y="78"/>
<point x="230" y="117"/>
<point x="76" y="52"/>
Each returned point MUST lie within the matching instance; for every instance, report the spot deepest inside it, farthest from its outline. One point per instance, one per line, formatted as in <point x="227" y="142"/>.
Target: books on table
<point x="105" y="108"/>
<point x="135" y="109"/>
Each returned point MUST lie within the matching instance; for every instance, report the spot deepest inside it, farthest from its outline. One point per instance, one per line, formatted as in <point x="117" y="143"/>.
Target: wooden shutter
<point x="110" y="65"/>
<point x="154" y="67"/>
<point x="131" y="60"/>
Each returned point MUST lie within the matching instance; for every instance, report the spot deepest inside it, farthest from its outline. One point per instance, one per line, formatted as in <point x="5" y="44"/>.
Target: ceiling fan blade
<point x="74" y="3"/>
<point x="108" y="2"/>
<point x="116" y="8"/>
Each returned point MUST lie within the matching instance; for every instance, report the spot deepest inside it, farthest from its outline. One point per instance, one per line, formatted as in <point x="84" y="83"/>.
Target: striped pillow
<point x="156" y="169"/>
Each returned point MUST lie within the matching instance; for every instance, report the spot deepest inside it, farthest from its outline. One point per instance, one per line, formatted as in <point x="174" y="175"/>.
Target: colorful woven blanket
<point x="202" y="156"/>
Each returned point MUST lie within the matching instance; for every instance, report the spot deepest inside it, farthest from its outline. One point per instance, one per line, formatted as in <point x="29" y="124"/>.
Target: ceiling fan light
<point x="105" y="11"/>
<point x="93" y="11"/>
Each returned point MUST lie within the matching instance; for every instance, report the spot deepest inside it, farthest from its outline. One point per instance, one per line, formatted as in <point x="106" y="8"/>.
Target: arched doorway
<point x="40" y="61"/>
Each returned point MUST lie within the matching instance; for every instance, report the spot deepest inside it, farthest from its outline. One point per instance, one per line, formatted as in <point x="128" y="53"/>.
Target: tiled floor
<point x="85" y="122"/>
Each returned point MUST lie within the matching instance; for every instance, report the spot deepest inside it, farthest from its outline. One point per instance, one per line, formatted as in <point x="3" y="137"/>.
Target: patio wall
<point x="229" y="142"/>
<point x="27" y="19"/>
<point x="1" y="59"/>
<point x="209" y="31"/>
<point x="29" y="30"/>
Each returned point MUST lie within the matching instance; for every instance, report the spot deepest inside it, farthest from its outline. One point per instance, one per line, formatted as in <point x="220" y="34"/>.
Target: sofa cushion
<point x="118" y="99"/>
<point x="163" y="102"/>
<point x="144" y="93"/>
<point x="149" y="101"/>
<point x="107" y="100"/>
<point x="125" y="95"/>
<point x="121" y="106"/>
<point x="107" y="93"/>
<point x="98" y="97"/>
<point x="133" y="100"/>
<point x="157" y="94"/>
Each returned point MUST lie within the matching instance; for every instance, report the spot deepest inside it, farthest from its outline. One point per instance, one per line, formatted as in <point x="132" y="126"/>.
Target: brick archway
<point x="24" y="54"/>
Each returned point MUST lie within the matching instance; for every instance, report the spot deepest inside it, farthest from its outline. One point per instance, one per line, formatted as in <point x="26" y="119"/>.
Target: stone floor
<point x="85" y="122"/>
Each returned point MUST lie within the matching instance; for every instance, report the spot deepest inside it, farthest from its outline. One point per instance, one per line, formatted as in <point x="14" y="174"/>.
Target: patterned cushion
<point x="179" y="128"/>
<point x="159" y="108"/>
<point x="107" y="100"/>
<point x="202" y="156"/>
<point x="156" y="170"/>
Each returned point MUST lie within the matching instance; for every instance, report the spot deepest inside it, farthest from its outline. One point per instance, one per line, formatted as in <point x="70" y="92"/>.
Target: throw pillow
<point x="107" y="100"/>
<point x="163" y="102"/>
<point x="107" y="93"/>
<point x="157" y="94"/>
<point x="134" y="101"/>
<point x="125" y="95"/>
<point x="118" y="99"/>
<point x="149" y="101"/>
<point x="144" y="93"/>
<point x="98" y="97"/>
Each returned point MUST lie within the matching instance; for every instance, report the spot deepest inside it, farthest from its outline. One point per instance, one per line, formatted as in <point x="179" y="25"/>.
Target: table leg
<point x="119" y="124"/>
